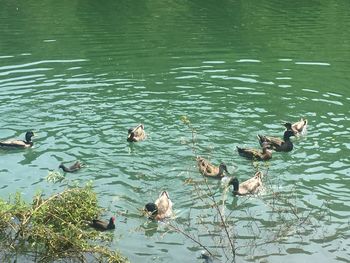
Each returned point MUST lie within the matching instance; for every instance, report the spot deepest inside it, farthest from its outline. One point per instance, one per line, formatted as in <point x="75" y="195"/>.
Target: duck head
<point x="223" y="168"/>
<point x="288" y="125"/>
<point x="111" y="224"/>
<point x="234" y="181"/>
<point x="29" y="135"/>
<point x="151" y="208"/>
<point x="131" y="135"/>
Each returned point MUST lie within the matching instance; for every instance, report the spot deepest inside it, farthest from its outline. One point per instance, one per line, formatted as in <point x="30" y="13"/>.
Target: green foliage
<point x="54" y="228"/>
<point x="54" y="177"/>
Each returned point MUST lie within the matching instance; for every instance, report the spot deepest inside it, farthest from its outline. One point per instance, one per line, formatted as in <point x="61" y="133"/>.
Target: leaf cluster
<point x="55" y="228"/>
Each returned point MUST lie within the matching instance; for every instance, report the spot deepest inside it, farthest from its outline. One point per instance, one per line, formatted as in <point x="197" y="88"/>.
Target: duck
<point x="136" y="134"/>
<point x="13" y="143"/>
<point x="250" y="186"/>
<point x="210" y="170"/>
<point x="254" y="154"/>
<point x="278" y="144"/>
<point x="299" y="127"/>
<point x="102" y="225"/>
<point x="71" y="169"/>
<point x="208" y="258"/>
<point x="162" y="208"/>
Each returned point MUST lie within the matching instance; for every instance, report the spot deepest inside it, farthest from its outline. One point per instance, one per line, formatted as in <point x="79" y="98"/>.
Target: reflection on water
<point x="82" y="82"/>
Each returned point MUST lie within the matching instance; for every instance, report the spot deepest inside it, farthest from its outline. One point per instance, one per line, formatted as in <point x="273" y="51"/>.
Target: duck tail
<point x="259" y="174"/>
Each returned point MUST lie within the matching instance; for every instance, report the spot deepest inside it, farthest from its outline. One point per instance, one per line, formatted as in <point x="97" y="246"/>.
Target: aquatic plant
<point x="54" y="228"/>
<point x="225" y="233"/>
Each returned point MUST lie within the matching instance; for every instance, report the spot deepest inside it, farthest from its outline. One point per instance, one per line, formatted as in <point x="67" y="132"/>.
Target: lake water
<point x="80" y="73"/>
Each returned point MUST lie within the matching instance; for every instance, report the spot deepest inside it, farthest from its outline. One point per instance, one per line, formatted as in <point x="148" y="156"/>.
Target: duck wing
<point x="300" y="126"/>
<point x="249" y="153"/>
<point x="206" y="168"/>
<point x="164" y="205"/>
<point x="14" y="143"/>
<point x="75" y="167"/>
<point x="252" y="185"/>
<point x="99" y="224"/>
<point x="272" y="142"/>
<point x="139" y="133"/>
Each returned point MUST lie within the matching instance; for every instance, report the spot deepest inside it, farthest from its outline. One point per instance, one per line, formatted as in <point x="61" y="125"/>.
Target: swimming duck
<point x="250" y="186"/>
<point x="161" y="208"/>
<point x="102" y="225"/>
<point x="254" y="154"/>
<point x="299" y="127"/>
<point x="277" y="144"/>
<point x="136" y="134"/>
<point x="71" y="169"/>
<point x="19" y="143"/>
<point x="207" y="169"/>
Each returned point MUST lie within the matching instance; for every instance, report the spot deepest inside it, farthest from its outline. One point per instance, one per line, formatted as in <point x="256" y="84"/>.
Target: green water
<point x="80" y="73"/>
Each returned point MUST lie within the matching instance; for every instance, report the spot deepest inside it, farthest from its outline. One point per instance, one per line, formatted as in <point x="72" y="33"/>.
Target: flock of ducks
<point x="162" y="207"/>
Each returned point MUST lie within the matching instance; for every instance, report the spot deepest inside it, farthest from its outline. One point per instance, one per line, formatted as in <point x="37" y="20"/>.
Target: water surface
<point x="80" y="73"/>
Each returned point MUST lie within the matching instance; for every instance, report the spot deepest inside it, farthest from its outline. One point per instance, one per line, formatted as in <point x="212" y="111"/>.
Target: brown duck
<point x="71" y="169"/>
<point x="250" y="186"/>
<point x="278" y="144"/>
<point x="102" y="225"/>
<point x="13" y="143"/>
<point x="299" y="127"/>
<point x="161" y="208"/>
<point x="254" y="154"/>
<point x="210" y="170"/>
<point x="136" y="134"/>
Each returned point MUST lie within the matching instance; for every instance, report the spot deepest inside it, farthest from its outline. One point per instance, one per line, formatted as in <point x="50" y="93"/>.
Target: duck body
<point x="162" y="208"/>
<point x="250" y="186"/>
<point x="136" y="134"/>
<point x="254" y="154"/>
<point x="19" y="144"/>
<point x="71" y="169"/>
<point x="278" y="144"/>
<point x="299" y="127"/>
<point x="210" y="170"/>
<point x="102" y="225"/>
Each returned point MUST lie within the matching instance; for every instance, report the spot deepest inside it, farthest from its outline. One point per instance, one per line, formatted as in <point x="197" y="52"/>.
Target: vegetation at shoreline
<point x="54" y="228"/>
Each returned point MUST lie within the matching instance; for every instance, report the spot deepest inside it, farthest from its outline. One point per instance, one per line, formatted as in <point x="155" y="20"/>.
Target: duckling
<point x="277" y="144"/>
<point x="299" y="127"/>
<point x="73" y="168"/>
<point x="161" y="208"/>
<point x="102" y="225"/>
<point x="209" y="170"/>
<point x="250" y="186"/>
<point x="136" y="134"/>
<point x="19" y="143"/>
<point x="254" y="154"/>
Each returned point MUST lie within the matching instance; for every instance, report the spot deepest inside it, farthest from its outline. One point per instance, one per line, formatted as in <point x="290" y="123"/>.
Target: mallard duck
<point x="136" y="134"/>
<point x="73" y="168"/>
<point x="251" y="186"/>
<point x="207" y="169"/>
<point x="277" y="144"/>
<point x="254" y="154"/>
<point x="102" y="225"/>
<point x="299" y="127"/>
<point x="11" y="143"/>
<point x="161" y="208"/>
